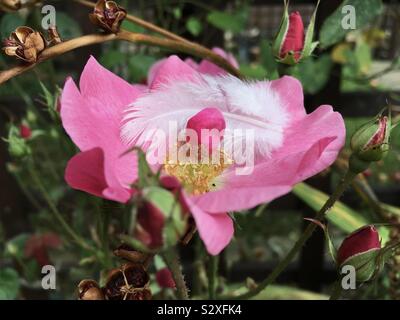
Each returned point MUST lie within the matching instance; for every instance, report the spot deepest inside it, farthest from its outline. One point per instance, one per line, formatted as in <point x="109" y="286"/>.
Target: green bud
<point x="371" y="141"/>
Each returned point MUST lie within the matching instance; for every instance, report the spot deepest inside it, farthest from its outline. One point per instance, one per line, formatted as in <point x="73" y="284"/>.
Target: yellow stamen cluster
<point x="198" y="176"/>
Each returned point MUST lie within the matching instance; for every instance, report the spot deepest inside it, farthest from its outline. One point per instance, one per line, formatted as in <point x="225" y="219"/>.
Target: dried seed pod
<point x="130" y="282"/>
<point x="10" y="5"/>
<point x="90" y="290"/>
<point x="25" y="44"/>
<point x="108" y="15"/>
<point x="126" y="252"/>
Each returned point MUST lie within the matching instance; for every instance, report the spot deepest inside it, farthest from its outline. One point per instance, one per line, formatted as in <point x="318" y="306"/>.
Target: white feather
<point x="245" y="105"/>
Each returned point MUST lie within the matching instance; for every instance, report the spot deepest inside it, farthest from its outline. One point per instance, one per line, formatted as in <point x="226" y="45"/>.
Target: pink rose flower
<point x="290" y="145"/>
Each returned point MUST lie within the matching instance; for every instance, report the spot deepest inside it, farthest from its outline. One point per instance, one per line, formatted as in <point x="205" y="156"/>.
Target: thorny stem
<point x="171" y="258"/>
<point x="125" y="35"/>
<point x="344" y="183"/>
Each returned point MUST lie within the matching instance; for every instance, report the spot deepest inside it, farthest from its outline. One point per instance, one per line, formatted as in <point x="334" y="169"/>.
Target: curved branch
<point x="87" y="40"/>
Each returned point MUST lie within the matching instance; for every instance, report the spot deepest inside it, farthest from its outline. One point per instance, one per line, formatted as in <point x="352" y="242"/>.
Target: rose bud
<point x="90" y="290"/>
<point x="10" y="5"/>
<point x="130" y="282"/>
<point x="25" y="131"/>
<point x="25" y="44"/>
<point x="370" y="143"/>
<point x="164" y="278"/>
<point x="108" y="15"/>
<point x="291" y="43"/>
<point x="360" y="250"/>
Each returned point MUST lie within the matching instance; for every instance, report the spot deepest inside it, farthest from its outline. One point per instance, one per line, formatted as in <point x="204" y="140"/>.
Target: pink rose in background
<point x="290" y="145"/>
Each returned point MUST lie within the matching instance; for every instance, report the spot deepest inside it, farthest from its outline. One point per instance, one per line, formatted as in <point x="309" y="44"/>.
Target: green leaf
<point x="139" y="65"/>
<point x="313" y="73"/>
<point x="332" y="30"/>
<point x="340" y="215"/>
<point x="10" y="22"/>
<point x="112" y="58"/>
<point x="234" y="22"/>
<point x="193" y="25"/>
<point x="132" y="27"/>
<point x="15" y="247"/>
<point x="253" y="71"/>
<point x="9" y="284"/>
<point x="67" y="27"/>
<point x="268" y="60"/>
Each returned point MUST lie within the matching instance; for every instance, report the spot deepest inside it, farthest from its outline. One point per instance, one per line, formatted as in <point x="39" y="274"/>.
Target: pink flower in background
<point x="290" y="146"/>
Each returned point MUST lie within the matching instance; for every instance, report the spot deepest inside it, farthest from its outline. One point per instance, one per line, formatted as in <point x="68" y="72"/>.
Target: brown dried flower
<point x="130" y="282"/>
<point x="10" y="5"/>
<point x="108" y="15"/>
<point x="90" y="290"/>
<point x="126" y="252"/>
<point x="25" y="44"/>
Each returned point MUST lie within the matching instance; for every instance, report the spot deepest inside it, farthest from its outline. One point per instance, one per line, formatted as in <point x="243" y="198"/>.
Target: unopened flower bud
<point x="25" y="44"/>
<point x="292" y="44"/>
<point x="25" y="131"/>
<point x="108" y="15"/>
<point x="10" y="5"/>
<point x="360" y="250"/>
<point x="164" y="278"/>
<point x="90" y="290"/>
<point x="150" y="225"/>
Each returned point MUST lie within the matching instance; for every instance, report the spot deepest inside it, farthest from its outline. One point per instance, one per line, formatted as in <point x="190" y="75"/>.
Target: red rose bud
<point x="360" y="249"/>
<point x="25" y="131"/>
<point x="294" y="40"/>
<point x="164" y="278"/>
<point x="292" y="43"/>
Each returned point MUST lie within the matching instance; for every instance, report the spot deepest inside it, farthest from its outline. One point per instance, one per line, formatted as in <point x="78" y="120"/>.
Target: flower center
<point x="198" y="174"/>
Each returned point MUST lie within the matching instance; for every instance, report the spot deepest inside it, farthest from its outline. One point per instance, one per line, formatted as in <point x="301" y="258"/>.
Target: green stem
<point x="172" y="261"/>
<point x="344" y="183"/>
<point x="212" y="277"/>
<point x="53" y="208"/>
<point x="337" y="290"/>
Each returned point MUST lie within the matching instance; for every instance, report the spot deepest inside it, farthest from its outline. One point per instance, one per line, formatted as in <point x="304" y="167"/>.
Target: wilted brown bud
<point x="130" y="282"/>
<point x="108" y="15"/>
<point x="10" y="5"/>
<point x="90" y="290"/>
<point x="25" y="43"/>
<point x="126" y="252"/>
